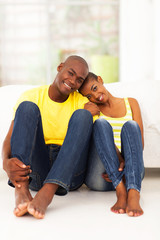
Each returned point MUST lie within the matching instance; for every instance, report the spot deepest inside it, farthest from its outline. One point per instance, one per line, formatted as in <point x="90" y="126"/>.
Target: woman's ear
<point x="100" y="79"/>
<point x="60" y="66"/>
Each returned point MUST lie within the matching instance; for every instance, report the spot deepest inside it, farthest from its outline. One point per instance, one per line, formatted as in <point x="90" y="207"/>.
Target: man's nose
<point x="72" y="80"/>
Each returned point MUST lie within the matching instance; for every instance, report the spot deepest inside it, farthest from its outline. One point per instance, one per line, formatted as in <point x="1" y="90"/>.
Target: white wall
<point x="157" y="39"/>
<point x="139" y="40"/>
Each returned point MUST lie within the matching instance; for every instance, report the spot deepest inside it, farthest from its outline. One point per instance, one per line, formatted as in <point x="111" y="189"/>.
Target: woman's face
<point x="95" y="92"/>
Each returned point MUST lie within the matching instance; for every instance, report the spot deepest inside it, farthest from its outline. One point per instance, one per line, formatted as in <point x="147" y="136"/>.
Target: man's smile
<point x="67" y="86"/>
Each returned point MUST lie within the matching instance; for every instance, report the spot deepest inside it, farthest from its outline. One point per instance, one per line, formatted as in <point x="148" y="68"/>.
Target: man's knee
<point x="27" y="107"/>
<point x="98" y="184"/>
<point x="82" y="116"/>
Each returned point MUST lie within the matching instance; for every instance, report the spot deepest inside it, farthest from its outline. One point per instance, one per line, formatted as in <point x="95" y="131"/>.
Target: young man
<point x="47" y="143"/>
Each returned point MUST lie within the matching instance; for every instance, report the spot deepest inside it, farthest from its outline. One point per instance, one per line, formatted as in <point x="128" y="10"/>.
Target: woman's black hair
<point x="91" y="76"/>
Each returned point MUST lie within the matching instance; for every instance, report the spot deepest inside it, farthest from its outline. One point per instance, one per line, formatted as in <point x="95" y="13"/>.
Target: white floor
<point x="83" y="215"/>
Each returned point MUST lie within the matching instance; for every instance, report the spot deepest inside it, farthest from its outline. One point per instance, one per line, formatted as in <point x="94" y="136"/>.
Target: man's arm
<point x="15" y="169"/>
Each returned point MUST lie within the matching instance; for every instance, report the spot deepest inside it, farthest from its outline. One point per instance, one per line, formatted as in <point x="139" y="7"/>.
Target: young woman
<point x="116" y="151"/>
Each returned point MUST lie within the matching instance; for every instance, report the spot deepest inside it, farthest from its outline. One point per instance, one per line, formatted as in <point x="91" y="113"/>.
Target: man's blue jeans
<point x="103" y="157"/>
<point x="63" y="165"/>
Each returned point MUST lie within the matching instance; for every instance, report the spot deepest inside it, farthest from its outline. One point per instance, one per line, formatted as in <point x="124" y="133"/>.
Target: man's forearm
<point x="6" y="152"/>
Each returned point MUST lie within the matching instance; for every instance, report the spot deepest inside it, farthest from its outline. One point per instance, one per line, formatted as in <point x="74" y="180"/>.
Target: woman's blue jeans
<point x="103" y="157"/>
<point x="63" y="165"/>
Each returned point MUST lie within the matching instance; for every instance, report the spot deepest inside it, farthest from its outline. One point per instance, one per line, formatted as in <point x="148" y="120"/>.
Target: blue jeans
<point x="63" y="165"/>
<point x="103" y="157"/>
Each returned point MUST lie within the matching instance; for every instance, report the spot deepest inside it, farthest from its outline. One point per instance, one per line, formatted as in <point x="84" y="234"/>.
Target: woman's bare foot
<point x="37" y="207"/>
<point x="120" y="205"/>
<point x="133" y="208"/>
<point x="22" y="197"/>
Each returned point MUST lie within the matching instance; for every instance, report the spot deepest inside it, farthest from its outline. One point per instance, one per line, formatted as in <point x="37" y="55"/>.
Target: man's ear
<point x="60" y="66"/>
<point x="100" y="79"/>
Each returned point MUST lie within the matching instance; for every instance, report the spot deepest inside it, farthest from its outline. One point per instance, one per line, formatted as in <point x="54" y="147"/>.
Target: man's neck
<point x="55" y="95"/>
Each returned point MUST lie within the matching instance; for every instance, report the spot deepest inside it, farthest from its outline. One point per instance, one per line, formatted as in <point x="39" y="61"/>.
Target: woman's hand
<point x="92" y="108"/>
<point x="121" y="165"/>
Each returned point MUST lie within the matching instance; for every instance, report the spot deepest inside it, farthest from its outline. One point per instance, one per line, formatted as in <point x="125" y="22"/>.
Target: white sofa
<point x="147" y="94"/>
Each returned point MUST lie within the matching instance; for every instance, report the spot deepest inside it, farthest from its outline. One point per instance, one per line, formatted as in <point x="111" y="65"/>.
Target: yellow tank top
<point x="117" y="123"/>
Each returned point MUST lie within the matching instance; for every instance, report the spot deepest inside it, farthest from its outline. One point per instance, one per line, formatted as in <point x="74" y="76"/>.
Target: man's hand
<point x="17" y="171"/>
<point x="92" y="108"/>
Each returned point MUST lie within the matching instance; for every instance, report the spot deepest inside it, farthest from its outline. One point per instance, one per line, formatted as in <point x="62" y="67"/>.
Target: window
<point x="37" y="35"/>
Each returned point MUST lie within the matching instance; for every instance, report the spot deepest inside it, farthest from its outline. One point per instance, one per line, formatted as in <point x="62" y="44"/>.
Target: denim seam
<point x="76" y="175"/>
<point x="131" y="150"/>
<point x="57" y="182"/>
<point x="133" y="186"/>
<point x="33" y="143"/>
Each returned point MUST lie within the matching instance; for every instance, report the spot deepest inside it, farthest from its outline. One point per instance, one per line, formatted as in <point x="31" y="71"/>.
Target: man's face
<point x="70" y="76"/>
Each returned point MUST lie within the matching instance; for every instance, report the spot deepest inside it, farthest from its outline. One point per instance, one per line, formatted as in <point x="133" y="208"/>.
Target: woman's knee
<point x="101" y="123"/>
<point x="131" y="126"/>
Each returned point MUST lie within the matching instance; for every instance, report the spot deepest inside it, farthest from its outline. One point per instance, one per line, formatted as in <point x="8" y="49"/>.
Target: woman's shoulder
<point x="133" y="103"/>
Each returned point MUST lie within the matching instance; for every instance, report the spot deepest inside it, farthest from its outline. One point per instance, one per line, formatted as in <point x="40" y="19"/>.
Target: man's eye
<point x="89" y="96"/>
<point x="70" y="73"/>
<point x="80" y="81"/>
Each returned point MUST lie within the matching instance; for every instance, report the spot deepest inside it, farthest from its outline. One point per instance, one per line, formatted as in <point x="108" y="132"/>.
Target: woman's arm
<point x="136" y="112"/>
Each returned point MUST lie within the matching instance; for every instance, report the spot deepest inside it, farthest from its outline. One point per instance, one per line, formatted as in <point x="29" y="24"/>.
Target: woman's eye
<point x="95" y="88"/>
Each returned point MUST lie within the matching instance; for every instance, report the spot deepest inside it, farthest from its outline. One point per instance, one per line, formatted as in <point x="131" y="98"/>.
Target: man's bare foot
<point x="22" y="197"/>
<point x="120" y="205"/>
<point x="133" y="208"/>
<point x="37" y="207"/>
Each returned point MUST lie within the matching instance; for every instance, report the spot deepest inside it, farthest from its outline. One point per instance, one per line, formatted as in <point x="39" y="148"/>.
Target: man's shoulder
<point x="78" y="99"/>
<point x="78" y="95"/>
<point x="36" y="89"/>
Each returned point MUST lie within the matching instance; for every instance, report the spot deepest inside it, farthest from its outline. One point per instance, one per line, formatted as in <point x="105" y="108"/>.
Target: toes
<point x="31" y="210"/>
<point x="19" y="212"/>
<point x="121" y="211"/>
<point x="134" y="213"/>
<point x="39" y="215"/>
<point x="22" y="206"/>
<point x="118" y="210"/>
<point x="130" y="213"/>
<point x="35" y="212"/>
<point x="16" y="211"/>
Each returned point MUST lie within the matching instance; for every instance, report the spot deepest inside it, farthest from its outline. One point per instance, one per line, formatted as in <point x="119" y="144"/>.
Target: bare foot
<point x="133" y="208"/>
<point x="37" y="207"/>
<point x="22" y="197"/>
<point x="120" y="205"/>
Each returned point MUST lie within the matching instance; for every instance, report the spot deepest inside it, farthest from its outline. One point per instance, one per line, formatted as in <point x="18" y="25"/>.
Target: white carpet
<point x="83" y="215"/>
